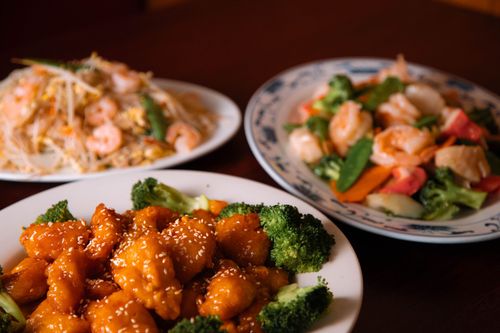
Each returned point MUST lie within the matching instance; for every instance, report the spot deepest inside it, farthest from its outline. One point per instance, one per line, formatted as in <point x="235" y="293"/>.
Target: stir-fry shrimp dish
<point x="174" y="263"/>
<point x="91" y="115"/>
<point x="398" y="145"/>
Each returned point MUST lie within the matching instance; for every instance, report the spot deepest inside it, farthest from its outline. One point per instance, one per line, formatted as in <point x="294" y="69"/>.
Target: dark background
<point x="234" y="46"/>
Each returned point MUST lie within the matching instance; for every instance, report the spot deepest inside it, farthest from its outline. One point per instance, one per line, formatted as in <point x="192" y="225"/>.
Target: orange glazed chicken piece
<point x="143" y="268"/>
<point x="48" y="240"/>
<point x="154" y="218"/>
<point x="191" y="244"/>
<point x="119" y="312"/>
<point x="191" y="293"/>
<point x="242" y="239"/>
<point x="47" y="320"/>
<point x="270" y="278"/>
<point x="229" y="292"/>
<point x="99" y="288"/>
<point x="27" y="281"/>
<point x="66" y="279"/>
<point x="107" y="228"/>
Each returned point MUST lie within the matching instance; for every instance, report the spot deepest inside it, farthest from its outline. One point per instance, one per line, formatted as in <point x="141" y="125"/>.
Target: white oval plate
<point x="268" y="111"/>
<point x="342" y="271"/>
<point x="229" y="120"/>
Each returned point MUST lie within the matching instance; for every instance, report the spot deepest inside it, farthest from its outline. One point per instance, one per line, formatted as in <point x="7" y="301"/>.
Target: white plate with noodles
<point x="342" y="272"/>
<point x="64" y="121"/>
<point x="295" y="92"/>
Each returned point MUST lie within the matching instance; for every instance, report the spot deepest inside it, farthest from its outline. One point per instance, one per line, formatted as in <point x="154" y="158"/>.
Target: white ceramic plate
<point x="229" y="120"/>
<point x="342" y="271"/>
<point x="268" y="111"/>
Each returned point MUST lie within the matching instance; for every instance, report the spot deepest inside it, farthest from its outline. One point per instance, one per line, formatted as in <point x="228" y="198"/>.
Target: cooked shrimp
<point x="183" y="136"/>
<point x="397" y="111"/>
<point x="425" y="98"/>
<point x="105" y="139"/>
<point x="400" y="145"/>
<point x="305" y="145"/>
<point x="17" y="104"/>
<point x="399" y="69"/>
<point x="348" y="126"/>
<point x="469" y="162"/>
<point x="124" y="79"/>
<point x="101" y="111"/>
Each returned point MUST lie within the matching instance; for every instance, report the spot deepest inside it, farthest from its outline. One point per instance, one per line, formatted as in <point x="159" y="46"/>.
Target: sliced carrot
<point x="428" y="153"/>
<point x="216" y="206"/>
<point x="370" y="179"/>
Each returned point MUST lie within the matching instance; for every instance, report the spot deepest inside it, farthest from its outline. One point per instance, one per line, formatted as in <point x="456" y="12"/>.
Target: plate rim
<point x="356" y="266"/>
<point x="229" y="133"/>
<point x="247" y="124"/>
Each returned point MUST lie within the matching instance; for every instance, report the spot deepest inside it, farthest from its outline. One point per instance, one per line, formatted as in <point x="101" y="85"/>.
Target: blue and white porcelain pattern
<point x="270" y="106"/>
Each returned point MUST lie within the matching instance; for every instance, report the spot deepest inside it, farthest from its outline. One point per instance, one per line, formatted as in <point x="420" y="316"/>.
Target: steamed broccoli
<point x="150" y="192"/>
<point x="441" y="196"/>
<point x="341" y="90"/>
<point x="239" y="208"/>
<point x="11" y="317"/>
<point x="295" y="309"/>
<point x="59" y="212"/>
<point x="299" y="242"/>
<point x="199" y="324"/>
<point x="328" y="167"/>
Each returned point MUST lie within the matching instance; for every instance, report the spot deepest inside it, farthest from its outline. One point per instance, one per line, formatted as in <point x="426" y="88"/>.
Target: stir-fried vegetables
<point x="358" y="134"/>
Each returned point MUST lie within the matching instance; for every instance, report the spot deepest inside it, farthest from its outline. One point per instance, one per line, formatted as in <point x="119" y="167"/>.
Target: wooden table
<point x="234" y="46"/>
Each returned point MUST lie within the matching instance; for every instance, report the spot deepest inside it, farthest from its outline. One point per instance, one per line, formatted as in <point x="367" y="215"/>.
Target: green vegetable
<point x="198" y="324"/>
<point x="299" y="242"/>
<point x="290" y="127"/>
<point x="155" y="116"/>
<point x="426" y="121"/>
<point x="356" y="160"/>
<point x="150" y="192"/>
<point x="58" y="212"/>
<point x="11" y="317"/>
<point x="329" y="167"/>
<point x="484" y="118"/>
<point x="71" y="66"/>
<point x="239" y="208"/>
<point x="341" y="90"/>
<point x="441" y="196"/>
<point x="318" y="126"/>
<point x="381" y="93"/>
<point x="493" y="161"/>
<point x="295" y="309"/>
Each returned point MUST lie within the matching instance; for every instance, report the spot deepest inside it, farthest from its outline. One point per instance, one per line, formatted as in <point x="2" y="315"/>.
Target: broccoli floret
<point x="152" y="193"/>
<point x="341" y="90"/>
<point x="441" y="196"/>
<point x="11" y="317"/>
<point x="239" y="208"/>
<point x="328" y="167"/>
<point x="295" y="309"/>
<point x="199" y="324"/>
<point x="299" y="242"/>
<point x="58" y="212"/>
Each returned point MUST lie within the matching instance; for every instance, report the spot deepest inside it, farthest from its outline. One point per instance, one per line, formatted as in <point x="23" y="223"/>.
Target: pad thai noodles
<point x="91" y="115"/>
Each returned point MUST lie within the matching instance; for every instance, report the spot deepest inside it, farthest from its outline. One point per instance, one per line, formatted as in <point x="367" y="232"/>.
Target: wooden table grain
<point x="234" y="46"/>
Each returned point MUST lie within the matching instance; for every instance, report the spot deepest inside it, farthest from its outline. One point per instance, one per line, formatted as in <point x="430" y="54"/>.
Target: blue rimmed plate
<point x="270" y="107"/>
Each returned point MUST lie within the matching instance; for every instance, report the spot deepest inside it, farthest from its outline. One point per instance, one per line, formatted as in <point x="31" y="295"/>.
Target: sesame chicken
<point x="48" y="240"/>
<point x="191" y="295"/>
<point x="191" y="244"/>
<point x="107" y="228"/>
<point x="27" y="281"/>
<point x="229" y="292"/>
<point x="242" y="239"/>
<point x="45" y="319"/>
<point x="119" y="312"/>
<point x="99" y="288"/>
<point x="66" y="280"/>
<point x="154" y="218"/>
<point x="270" y="278"/>
<point x="144" y="268"/>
